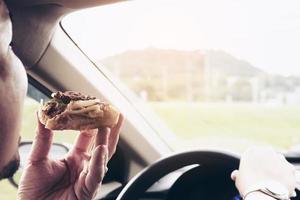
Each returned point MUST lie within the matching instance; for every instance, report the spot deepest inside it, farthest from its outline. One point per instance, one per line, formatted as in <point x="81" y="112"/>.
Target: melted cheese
<point x="75" y="105"/>
<point x="85" y="109"/>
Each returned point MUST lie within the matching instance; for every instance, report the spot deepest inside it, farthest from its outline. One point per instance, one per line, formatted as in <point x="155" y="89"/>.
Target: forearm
<point x="258" y="196"/>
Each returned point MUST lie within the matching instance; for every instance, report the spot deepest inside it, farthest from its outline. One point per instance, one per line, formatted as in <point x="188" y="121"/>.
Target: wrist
<point x="258" y="196"/>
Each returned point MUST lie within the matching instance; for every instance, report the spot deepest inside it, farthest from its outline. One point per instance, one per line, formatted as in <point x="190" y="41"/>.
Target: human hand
<point x="78" y="175"/>
<point x="263" y="164"/>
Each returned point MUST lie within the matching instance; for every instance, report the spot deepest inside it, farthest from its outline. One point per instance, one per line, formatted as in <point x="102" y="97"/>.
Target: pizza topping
<point x="53" y="108"/>
<point x="90" y="108"/>
<point x="74" y="103"/>
<point x="67" y="97"/>
<point x="85" y="109"/>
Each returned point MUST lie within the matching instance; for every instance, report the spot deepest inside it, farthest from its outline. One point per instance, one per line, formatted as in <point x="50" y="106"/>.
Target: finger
<point x="114" y="136"/>
<point x="84" y="140"/>
<point x="42" y="143"/>
<point x="96" y="170"/>
<point x="234" y="175"/>
<point x="102" y="137"/>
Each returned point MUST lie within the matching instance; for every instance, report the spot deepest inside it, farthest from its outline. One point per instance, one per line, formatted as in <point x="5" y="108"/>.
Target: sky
<point x="266" y="33"/>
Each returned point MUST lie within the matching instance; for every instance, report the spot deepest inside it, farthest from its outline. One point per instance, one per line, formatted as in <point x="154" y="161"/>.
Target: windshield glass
<point x="221" y="74"/>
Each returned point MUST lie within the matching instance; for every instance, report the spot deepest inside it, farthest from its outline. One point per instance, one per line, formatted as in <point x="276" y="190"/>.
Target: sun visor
<point x="33" y="28"/>
<point x="34" y="22"/>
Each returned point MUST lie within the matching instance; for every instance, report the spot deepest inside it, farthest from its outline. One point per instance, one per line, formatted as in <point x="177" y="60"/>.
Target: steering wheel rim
<point x="146" y="178"/>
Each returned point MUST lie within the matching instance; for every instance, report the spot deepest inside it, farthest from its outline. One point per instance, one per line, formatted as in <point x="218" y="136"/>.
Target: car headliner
<point x="34" y="22"/>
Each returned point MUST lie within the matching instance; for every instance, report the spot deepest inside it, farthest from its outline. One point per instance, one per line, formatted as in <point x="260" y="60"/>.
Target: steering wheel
<point x="142" y="181"/>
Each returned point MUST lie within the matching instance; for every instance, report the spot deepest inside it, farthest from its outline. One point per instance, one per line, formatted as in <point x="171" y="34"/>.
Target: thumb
<point x="41" y="144"/>
<point x="234" y="174"/>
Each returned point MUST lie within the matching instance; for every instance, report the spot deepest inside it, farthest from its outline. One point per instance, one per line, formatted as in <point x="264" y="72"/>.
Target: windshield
<point x="220" y="74"/>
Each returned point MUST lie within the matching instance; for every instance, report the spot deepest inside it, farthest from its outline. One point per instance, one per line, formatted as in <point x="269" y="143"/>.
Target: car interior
<point x="145" y="166"/>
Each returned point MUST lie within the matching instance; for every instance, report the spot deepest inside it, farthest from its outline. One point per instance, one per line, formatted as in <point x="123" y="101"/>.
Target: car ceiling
<point x="34" y="22"/>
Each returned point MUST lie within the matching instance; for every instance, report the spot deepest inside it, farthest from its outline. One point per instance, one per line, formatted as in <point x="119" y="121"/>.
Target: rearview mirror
<point x="57" y="151"/>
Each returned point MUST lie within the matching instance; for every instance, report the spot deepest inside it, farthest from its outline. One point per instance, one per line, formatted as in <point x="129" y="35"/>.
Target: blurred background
<point x="220" y="74"/>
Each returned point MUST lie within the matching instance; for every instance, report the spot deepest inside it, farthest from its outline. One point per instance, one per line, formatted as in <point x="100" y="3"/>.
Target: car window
<point x="220" y="74"/>
<point x="31" y="105"/>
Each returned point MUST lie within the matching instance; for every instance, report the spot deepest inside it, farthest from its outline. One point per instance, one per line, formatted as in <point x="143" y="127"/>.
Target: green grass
<point x="232" y="126"/>
<point x="199" y="125"/>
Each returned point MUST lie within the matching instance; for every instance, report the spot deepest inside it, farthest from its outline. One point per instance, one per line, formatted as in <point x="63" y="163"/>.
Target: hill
<point x="151" y="61"/>
<point x="178" y="75"/>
